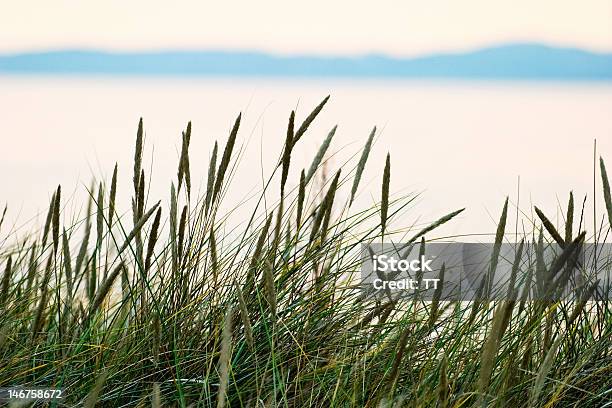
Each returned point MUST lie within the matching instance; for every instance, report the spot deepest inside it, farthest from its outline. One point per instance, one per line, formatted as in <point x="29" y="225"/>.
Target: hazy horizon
<point x="508" y="61"/>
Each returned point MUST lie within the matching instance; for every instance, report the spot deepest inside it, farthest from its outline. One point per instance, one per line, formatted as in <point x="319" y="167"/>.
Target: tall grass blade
<point x="606" y="190"/>
<point x="104" y="289"/>
<point x="361" y="165"/>
<point x="6" y="281"/>
<point x="212" y="168"/>
<point x="569" y="221"/>
<point x="384" y="207"/>
<point x="92" y="399"/>
<point x="244" y="316"/>
<point x="320" y="154"/>
<point x="48" y="221"/>
<point x="550" y="227"/>
<point x="152" y="239"/>
<point x="56" y="218"/>
<point x="286" y="161"/>
<point x="499" y="237"/>
<point x="112" y="197"/>
<point x="67" y="263"/>
<point x="138" y="155"/>
<point x="309" y="119"/>
<point x="224" y="358"/>
<point x="225" y="159"/>
<point x="300" y="200"/>
<point x="100" y="216"/>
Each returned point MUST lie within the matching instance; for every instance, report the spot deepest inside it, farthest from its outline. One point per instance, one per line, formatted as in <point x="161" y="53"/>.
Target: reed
<point x="244" y="315"/>
<point x="309" y="119"/>
<point x="93" y="397"/>
<point x="212" y="168"/>
<point x="6" y="281"/>
<point x="184" y="172"/>
<point x="3" y="215"/>
<point x="156" y="396"/>
<point x="225" y="159"/>
<point x="138" y="155"/>
<point x="384" y="204"/>
<point x="606" y="189"/>
<point x="224" y="359"/>
<point x="207" y="313"/>
<point x="365" y="153"/>
<point x="112" y="197"/>
<point x="55" y="220"/>
<point x="316" y="162"/>
<point x="300" y="200"/>
<point x="104" y="290"/>
<point x="286" y="161"/>
<point x="550" y="227"/>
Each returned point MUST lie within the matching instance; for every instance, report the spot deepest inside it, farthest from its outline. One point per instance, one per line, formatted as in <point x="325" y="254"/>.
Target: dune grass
<point x="160" y="307"/>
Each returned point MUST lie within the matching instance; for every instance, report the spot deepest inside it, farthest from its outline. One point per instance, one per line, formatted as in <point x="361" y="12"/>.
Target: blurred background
<point x="468" y="97"/>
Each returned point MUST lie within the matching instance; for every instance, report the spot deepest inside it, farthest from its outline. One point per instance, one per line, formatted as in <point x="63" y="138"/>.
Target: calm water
<point x="461" y="144"/>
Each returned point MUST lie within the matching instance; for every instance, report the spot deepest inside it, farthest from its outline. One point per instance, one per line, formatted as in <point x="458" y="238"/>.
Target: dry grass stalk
<point x="384" y="206"/>
<point x="325" y="208"/>
<point x="92" y="399"/>
<point x="85" y="242"/>
<point x="263" y="235"/>
<point x="550" y="227"/>
<point x="100" y="216"/>
<point x="181" y="232"/>
<point x="606" y="190"/>
<point x="225" y="159"/>
<point x="67" y="263"/>
<point x="316" y="162"/>
<point x="361" y="165"/>
<point x="32" y="267"/>
<point x="48" y="221"/>
<point x="152" y="239"/>
<point x="6" y="280"/>
<point x="55" y="218"/>
<point x="489" y="352"/>
<point x="329" y="207"/>
<point x="136" y="229"/>
<point x="3" y="215"/>
<point x="138" y="155"/>
<point x="224" y="358"/>
<point x="569" y="218"/>
<point x="443" y="387"/>
<point x="112" y="198"/>
<point x="286" y="160"/>
<point x="435" y="301"/>
<point x="104" y="289"/>
<point x="156" y="396"/>
<point x="184" y="171"/>
<point x="300" y="200"/>
<point x="212" y="168"/>
<point x="269" y="287"/>
<point x="309" y="119"/>
<point x="244" y="316"/>
<point x="214" y="260"/>
<point x="433" y="226"/>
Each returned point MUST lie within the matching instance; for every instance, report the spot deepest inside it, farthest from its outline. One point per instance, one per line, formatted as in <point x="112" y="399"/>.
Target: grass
<point x="163" y="308"/>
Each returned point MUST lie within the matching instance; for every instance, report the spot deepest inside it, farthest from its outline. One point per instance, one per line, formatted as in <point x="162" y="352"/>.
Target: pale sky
<point x="396" y="27"/>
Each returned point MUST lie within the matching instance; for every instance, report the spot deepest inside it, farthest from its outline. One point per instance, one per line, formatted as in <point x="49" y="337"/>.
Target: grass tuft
<point x="184" y="309"/>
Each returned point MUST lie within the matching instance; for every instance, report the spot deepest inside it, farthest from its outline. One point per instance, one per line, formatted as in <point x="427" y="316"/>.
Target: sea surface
<point x="457" y="144"/>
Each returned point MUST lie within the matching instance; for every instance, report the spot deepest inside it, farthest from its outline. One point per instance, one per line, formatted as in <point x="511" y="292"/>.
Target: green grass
<point x="164" y="307"/>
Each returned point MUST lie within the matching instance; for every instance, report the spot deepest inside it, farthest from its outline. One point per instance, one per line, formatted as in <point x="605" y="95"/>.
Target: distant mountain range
<point x="514" y="61"/>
